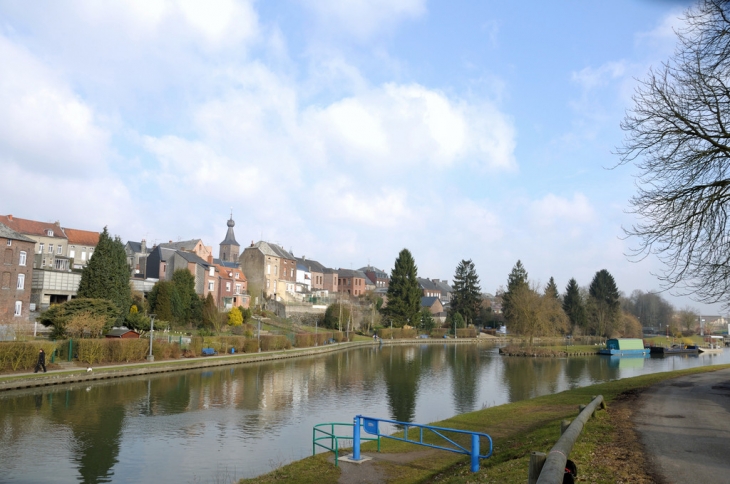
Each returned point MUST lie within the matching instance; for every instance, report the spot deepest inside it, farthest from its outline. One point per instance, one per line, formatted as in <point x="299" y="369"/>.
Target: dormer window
<point x="49" y="233"/>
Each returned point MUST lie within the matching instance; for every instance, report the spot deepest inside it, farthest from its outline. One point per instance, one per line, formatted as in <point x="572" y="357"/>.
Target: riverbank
<point x="608" y="450"/>
<point x="73" y="373"/>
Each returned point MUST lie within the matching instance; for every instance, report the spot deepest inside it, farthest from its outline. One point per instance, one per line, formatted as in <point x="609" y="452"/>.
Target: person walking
<point x="41" y="362"/>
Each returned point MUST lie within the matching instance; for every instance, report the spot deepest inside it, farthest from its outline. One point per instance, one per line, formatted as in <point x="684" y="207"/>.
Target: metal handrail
<point x="333" y="438"/>
<point x="553" y="470"/>
<point x="371" y="426"/>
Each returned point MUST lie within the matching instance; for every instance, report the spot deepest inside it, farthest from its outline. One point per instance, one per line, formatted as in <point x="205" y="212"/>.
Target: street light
<point x="258" y="333"/>
<point x="151" y="357"/>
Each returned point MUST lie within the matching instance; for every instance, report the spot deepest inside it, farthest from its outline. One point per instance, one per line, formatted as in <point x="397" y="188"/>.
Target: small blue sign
<point x="370" y="425"/>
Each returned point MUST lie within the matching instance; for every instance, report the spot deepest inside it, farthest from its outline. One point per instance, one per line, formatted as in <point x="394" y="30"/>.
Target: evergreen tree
<point x="404" y="292"/>
<point x="466" y="299"/>
<point x="185" y="296"/>
<point x="517" y="279"/>
<point x="160" y="301"/>
<point x="211" y="317"/>
<point x="106" y="276"/>
<point x="574" y="306"/>
<point x="551" y="290"/>
<point x="427" y="322"/>
<point x="604" y="307"/>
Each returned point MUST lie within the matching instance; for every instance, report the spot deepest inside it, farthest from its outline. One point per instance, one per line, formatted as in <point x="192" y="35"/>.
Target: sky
<point x="343" y="130"/>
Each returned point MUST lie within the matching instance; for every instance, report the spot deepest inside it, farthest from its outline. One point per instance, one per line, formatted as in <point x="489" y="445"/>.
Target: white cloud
<point x="590" y="78"/>
<point x="562" y="213"/>
<point x="363" y="18"/>
<point x="44" y="125"/>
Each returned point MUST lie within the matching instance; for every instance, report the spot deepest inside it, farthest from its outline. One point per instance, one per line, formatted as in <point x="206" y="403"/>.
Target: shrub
<point x="303" y="340"/>
<point x="92" y="351"/>
<point x="23" y="355"/>
<point x="438" y="333"/>
<point x="251" y="345"/>
<point x="274" y="342"/>
<point x="466" y="333"/>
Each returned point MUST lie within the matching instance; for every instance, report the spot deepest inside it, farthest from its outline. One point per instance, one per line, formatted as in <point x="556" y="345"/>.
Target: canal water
<point x="219" y="425"/>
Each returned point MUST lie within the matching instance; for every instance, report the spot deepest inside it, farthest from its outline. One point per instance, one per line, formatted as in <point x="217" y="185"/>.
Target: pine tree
<point x="574" y="306"/>
<point x="467" y="298"/>
<point x="604" y="307"/>
<point x="404" y="292"/>
<point x="160" y="300"/>
<point x="517" y="279"/>
<point x="106" y="276"/>
<point x="551" y="289"/>
<point x="185" y="296"/>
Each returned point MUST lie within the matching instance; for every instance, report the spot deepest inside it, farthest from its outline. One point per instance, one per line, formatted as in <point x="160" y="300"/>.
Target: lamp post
<point x="151" y="357"/>
<point x="258" y="333"/>
<point x="316" y="340"/>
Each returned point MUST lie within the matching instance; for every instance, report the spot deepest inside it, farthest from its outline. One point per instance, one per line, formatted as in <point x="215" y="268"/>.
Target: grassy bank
<point x="517" y="429"/>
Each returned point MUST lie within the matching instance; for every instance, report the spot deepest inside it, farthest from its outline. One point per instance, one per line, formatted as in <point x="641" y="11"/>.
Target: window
<point x="59" y="250"/>
<point x="267" y="283"/>
<point x="211" y="285"/>
<point x="238" y="289"/>
<point x="21" y="282"/>
<point x="276" y="270"/>
<point x="9" y="243"/>
<point x="72" y="252"/>
<point x="40" y="248"/>
<point x="83" y="254"/>
<point x="50" y="248"/>
<point x="22" y="258"/>
<point x="292" y="273"/>
<point x="228" y="286"/>
<point x="61" y="264"/>
<point x="43" y="263"/>
<point x="18" y="308"/>
<point x="268" y="268"/>
<point x="49" y="233"/>
<point x="236" y="275"/>
<point x="211" y="271"/>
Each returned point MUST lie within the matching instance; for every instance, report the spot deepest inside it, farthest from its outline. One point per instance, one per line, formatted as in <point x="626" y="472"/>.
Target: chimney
<point x="10" y="217"/>
<point x="210" y="259"/>
<point x="171" y="241"/>
<point x="144" y="246"/>
<point x="304" y="257"/>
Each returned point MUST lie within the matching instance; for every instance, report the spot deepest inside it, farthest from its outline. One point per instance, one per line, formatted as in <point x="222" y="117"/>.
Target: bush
<point x="92" y="351"/>
<point x="438" y="333"/>
<point x="23" y="355"/>
<point x="466" y="333"/>
<point x="251" y="345"/>
<point x="274" y="342"/>
<point x="303" y="340"/>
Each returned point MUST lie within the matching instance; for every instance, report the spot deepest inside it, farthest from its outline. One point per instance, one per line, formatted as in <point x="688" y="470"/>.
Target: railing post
<point x="474" y="453"/>
<point x="356" y="438"/>
<point x="564" y="426"/>
<point x="537" y="460"/>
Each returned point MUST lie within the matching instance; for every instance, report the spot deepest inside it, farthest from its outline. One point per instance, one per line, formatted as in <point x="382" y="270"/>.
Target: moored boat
<point x="675" y="349"/>
<point x="624" y="346"/>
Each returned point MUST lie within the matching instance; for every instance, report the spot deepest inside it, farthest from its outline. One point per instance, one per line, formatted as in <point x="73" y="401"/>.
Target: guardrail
<point x="371" y="427"/>
<point x="320" y="435"/>
<point x="551" y="469"/>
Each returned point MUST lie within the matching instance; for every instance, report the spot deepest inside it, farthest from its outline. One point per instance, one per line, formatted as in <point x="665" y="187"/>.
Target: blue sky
<point x="343" y="130"/>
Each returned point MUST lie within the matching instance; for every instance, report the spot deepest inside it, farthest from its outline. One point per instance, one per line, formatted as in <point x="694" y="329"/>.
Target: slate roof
<point x="444" y="286"/>
<point x="229" y="264"/>
<point x="32" y="227"/>
<point x="230" y="237"/>
<point x="192" y="257"/>
<point x="427" y="302"/>
<point x="312" y="265"/>
<point x="165" y="252"/>
<point x="428" y="284"/>
<point x="8" y="233"/>
<point x="82" y="237"/>
<point x="118" y="332"/>
<point x="183" y="244"/>
<point x="272" y="250"/>
<point x="302" y="267"/>
<point x="351" y="273"/>
<point x="137" y="247"/>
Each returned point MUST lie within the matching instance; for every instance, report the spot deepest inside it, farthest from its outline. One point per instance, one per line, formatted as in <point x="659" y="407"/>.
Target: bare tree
<point x="531" y="314"/>
<point x="678" y="135"/>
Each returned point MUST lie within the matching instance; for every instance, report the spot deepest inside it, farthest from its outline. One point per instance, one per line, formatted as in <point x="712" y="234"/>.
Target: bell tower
<point x="229" y="247"/>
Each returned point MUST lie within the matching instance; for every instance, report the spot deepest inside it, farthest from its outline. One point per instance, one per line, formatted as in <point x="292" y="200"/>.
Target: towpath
<point x="684" y="425"/>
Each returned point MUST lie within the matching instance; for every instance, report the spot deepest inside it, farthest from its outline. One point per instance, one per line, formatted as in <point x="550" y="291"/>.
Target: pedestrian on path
<point x="41" y="362"/>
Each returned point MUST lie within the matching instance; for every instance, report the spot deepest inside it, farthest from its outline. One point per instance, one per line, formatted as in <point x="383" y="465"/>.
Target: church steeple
<point x="229" y="246"/>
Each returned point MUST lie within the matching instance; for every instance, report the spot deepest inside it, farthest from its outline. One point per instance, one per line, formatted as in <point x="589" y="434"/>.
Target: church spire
<point x="229" y="246"/>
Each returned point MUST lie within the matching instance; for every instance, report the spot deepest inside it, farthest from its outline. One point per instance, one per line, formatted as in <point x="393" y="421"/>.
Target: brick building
<point x="15" y="275"/>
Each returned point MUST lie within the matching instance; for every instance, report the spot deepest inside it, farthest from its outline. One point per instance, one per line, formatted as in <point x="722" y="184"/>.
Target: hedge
<point x="23" y="355"/>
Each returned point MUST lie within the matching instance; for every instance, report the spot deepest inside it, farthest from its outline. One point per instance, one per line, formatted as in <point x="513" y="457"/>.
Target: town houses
<point x="44" y="260"/>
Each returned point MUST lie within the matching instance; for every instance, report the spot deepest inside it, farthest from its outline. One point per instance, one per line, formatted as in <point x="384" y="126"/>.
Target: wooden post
<point x="537" y="460"/>
<point x="564" y="426"/>
<point x="581" y="408"/>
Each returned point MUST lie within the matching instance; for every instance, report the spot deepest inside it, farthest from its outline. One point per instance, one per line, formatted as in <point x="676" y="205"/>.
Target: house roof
<point x="229" y="264"/>
<point x="302" y="267"/>
<point x="183" y="244"/>
<point x="82" y="237"/>
<point x="443" y="286"/>
<point x="120" y="331"/>
<point x="165" y="252"/>
<point x="193" y="257"/>
<point x="428" y="301"/>
<point x="33" y="227"/>
<point x="379" y="273"/>
<point x="350" y="273"/>
<point x="8" y="233"/>
<point x="428" y="284"/>
<point x="271" y="250"/>
<point x="312" y="265"/>
<point x="136" y="247"/>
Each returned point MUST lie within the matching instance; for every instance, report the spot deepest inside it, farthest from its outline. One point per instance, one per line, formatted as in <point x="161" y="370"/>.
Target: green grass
<point x="517" y="429"/>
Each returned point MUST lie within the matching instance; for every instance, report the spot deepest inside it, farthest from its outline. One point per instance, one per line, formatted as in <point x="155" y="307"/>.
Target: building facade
<point x="15" y="275"/>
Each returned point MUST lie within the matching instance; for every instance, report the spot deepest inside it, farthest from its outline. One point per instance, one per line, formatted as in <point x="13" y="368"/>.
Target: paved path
<point x="684" y="425"/>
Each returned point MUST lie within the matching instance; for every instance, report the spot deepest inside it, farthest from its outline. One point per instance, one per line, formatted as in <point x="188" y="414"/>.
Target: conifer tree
<point x="185" y="296"/>
<point x="161" y="301"/>
<point x="467" y="297"/>
<point x="551" y="289"/>
<point x="106" y="276"/>
<point x="404" y="292"/>
<point x="517" y="279"/>
<point x="604" y="307"/>
<point x="574" y="306"/>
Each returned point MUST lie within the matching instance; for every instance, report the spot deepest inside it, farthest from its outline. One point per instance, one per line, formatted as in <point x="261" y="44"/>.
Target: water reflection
<point x="186" y="426"/>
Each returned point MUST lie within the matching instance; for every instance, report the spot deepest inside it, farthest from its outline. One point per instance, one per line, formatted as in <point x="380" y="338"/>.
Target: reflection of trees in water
<point x="465" y="369"/>
<point x="529" y="377"/>
<point x="602" y="371"/>
<point x="401" y="371"/>
<point x="575" y="368"/>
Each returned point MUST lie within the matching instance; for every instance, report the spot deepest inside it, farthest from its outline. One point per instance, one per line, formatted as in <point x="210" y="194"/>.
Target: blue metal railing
<point x="371" y="427"/>
<point x="320" y="436"/>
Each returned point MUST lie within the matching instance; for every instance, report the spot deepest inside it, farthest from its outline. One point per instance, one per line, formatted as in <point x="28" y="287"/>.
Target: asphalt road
<point x="684" y="424"/>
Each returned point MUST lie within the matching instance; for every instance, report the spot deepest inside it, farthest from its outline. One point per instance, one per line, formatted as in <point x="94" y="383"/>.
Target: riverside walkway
<point x="684" y="425"/>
